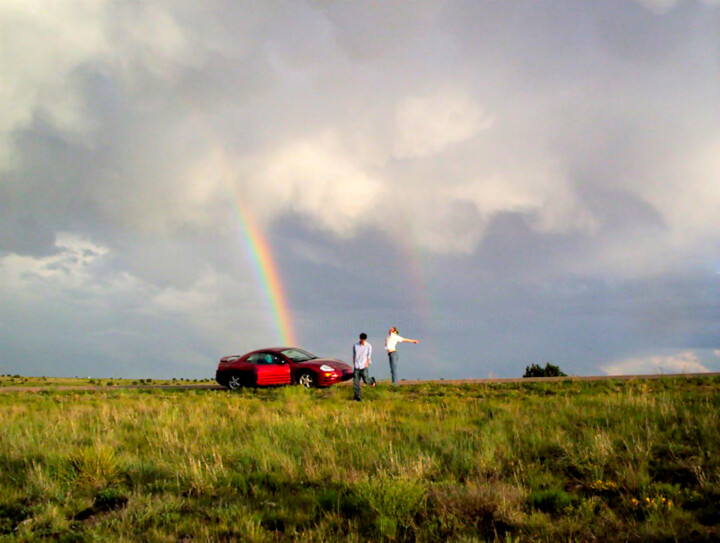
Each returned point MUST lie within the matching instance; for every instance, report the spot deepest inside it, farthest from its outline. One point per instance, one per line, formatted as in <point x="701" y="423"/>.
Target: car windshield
<point x="298" y="355"/>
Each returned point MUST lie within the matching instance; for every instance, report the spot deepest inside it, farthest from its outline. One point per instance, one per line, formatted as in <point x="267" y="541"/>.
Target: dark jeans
<point x="363" y="374"/>
<point x="393" y="356"/>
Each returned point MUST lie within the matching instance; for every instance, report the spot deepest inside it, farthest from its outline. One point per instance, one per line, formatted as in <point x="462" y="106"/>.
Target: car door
<point x="244" y="368"/>
<point x="270" y="369"/>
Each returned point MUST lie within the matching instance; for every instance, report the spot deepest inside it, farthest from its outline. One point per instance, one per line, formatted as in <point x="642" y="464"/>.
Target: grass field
<point x="556" y="461"/>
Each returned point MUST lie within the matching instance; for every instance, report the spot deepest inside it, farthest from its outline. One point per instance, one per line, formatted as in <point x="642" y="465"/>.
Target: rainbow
<point x="419" y="273"/>
<point x="258" y="248"/>
<point x="257" y="244"/>
<point x="415" y="268"/>
<point x="268" y="275"/>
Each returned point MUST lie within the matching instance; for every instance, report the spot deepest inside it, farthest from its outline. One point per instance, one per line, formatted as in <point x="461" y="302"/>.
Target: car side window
<point x="264" y="359"/>
<point x="272" y="359"/>
<point x="257" y="358"/>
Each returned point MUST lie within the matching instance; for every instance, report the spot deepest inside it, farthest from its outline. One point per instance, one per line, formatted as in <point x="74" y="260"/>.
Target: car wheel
<point x="235" y="381"/>
<point x="307" y="380"/>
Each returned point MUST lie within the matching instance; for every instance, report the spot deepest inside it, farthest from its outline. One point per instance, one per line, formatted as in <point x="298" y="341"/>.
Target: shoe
<point x="357" y="399"/>
<point x="373" y="382"/>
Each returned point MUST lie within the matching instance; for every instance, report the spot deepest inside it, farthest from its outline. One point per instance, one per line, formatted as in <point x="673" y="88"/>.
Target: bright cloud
<point x="70" y="268"/>
<point x="36" y="72"/>
<point x="664" y="6"/>
<point x="319" y="179"/>
<point x="683" y="362"/>
<point x="428" y="124"/>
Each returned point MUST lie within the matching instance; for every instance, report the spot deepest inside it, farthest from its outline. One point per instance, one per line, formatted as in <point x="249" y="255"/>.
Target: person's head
<point x="393" y="330"/>
<point x="363" y="337"/>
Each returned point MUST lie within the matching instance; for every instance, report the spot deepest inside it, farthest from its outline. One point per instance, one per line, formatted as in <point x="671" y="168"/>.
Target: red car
<point x="280" y="366"/>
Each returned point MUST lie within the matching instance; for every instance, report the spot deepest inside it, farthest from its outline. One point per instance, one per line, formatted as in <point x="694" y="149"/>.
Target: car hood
<point x="332" y="362"/>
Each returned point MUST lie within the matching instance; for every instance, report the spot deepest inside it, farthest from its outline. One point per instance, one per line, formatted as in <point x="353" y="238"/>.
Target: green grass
<point x="541" y="461"/>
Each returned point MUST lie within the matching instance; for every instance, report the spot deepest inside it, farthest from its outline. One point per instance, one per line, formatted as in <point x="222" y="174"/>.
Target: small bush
<point x="95" y="466"/>
<point x="552" y="501"/>
<point x="395" y="502"/>
<point x="550" y="370"/>
<point x="110" y="498"/>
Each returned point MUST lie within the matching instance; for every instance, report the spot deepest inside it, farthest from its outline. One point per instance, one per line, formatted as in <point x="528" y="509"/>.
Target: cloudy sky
<point x="510" y="182"/>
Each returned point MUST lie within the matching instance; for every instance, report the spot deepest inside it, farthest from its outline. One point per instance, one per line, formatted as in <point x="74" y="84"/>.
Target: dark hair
<point x="363" y="336"/>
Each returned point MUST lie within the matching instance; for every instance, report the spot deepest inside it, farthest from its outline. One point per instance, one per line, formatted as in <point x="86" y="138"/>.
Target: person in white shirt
<point x="391" y="342"/>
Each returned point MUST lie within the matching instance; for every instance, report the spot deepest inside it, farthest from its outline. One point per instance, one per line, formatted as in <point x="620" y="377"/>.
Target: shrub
<point x="109" y="498"/>
<point x="95" y="466"/>
<point x="550" y="370"/>
<point x="552" y="501"/>
<point x="394" y="501"/>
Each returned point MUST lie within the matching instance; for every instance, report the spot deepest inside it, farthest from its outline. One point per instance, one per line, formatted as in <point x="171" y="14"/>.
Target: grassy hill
<point x="542" y="461"/>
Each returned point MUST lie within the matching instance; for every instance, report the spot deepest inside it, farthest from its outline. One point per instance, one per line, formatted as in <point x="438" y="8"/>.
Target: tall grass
<point x="560" y="461"/>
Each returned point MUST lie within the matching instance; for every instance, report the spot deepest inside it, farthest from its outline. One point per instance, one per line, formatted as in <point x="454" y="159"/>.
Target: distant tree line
<point x="550" y="370"/>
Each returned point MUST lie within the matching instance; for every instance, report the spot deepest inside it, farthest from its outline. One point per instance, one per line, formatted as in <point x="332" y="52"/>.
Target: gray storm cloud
<point x="544" y="143"/>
